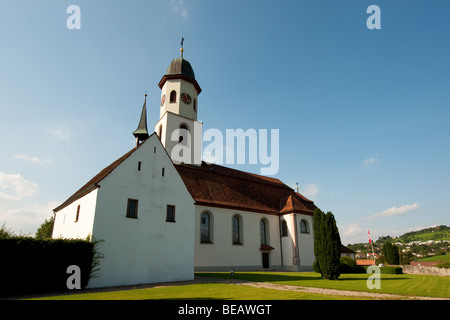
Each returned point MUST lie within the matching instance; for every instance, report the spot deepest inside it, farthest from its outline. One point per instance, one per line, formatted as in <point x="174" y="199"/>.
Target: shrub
<point x="348" y="265"/>
<point x="31" y="265"/>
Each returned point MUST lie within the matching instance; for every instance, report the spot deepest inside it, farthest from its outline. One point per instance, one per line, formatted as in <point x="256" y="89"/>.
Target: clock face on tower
<point x="163" y="99"/>
<point x="186" y="98"/>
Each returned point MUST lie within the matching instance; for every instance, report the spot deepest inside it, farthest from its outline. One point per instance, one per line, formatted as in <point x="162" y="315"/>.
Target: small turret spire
<point x="141" y="133"/>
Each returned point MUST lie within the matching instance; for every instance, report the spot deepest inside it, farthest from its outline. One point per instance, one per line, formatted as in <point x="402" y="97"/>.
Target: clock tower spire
<point x="178" y="128"/>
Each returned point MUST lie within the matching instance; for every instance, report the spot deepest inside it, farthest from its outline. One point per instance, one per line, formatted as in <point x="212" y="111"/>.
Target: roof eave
<point x="179" y="76"/>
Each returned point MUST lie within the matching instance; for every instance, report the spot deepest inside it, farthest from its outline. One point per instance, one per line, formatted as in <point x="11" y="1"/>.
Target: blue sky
<point x="363" y="114"/>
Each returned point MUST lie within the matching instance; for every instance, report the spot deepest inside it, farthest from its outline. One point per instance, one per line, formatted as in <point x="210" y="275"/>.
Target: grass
<point x="442" y="258"/>
<point x="403" y="284"/>
<point x="436" y="236"/>
<point x="205" y="291"/>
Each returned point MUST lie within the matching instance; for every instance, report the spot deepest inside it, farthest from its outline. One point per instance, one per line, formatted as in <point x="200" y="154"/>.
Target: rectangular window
<point x="163" y="171"/>
<point x="139" y="165"/>
<point x="132" y="208"/>
<point x="170" y="214"/>
<point x="78" y="214"/>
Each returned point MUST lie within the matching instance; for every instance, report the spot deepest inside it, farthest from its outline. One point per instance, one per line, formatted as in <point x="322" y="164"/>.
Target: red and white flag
<point x="370" y="240"/>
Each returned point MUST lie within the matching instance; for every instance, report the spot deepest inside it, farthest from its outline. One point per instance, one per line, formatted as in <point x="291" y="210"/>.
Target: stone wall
<point x="434" y="271"/>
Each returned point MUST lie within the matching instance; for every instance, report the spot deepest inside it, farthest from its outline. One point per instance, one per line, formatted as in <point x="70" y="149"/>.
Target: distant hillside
<point x="433" y="233"/>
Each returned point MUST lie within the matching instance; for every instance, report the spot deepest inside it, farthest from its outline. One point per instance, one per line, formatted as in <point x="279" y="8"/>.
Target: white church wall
<point x="222" y="254"/>
<point x="171" y="122"/>
<point x="146" y="249"/>
<point x="67" y="226"/>
<point x="306" y="242"/>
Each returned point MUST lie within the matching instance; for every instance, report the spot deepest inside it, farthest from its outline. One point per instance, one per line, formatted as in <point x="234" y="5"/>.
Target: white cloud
<point x="351" y="230"/>
<point x="31" y="159"/>
<point x="178" y="7"/>
<point x="369" y="162"/>
<point x="394" y="211"/>
<point x="28" y="218"/>
<point x="14" y="187"/>
<point x="310" y="191"/>
<point x="60" y="134"/>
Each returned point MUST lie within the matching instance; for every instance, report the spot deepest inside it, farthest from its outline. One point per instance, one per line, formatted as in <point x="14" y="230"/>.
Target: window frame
<point x="207" y="237"/>
<point x="304" y="226"/>
<point x="173" y="96"/>
<point x="236" y="231"/>
<point x="134" y="214"/>
<point x="168" y="218"/>
<point x="284" y="228"/>
<point x="77" y="216"/>
<point x="263" y="232"/>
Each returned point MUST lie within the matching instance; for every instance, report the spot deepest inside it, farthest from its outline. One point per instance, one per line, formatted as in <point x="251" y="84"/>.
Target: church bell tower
<point x="178" y="128"/>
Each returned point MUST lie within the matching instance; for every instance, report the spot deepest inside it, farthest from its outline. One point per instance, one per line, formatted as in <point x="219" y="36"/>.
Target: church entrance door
<point x="265" y="260"/>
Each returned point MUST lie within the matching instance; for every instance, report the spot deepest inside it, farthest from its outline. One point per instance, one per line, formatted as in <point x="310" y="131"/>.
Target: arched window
<point x="195" y="105"/>
<point x="205" y="228"/>
<point x="183" y="134"/>
<point x="236" y="229"/>
<point x="284" y="230"/>
<point x="263" y="231"/>
<point x="304" y="227"/>
<point x="173" y="96"/>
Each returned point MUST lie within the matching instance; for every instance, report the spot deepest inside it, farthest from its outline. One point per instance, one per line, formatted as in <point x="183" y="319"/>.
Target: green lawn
<point x="441" y="235"/>
<point x="443" y="258"/>
<point x="205" y="291"/>
<point x="402" y="284"/>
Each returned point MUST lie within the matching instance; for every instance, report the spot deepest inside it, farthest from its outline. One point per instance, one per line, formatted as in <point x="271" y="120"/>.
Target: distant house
<point x="346" y="252"/>
<point x="372" y="255"/>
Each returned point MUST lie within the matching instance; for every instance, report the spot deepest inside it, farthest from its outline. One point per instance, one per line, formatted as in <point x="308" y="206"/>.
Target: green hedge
<point x="389" y="270"/>
<point x="29" y="265"/>
<point x="444" y="265"/>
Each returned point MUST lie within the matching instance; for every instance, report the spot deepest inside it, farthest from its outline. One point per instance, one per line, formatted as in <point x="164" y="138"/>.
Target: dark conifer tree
<point x="327" y="244"/>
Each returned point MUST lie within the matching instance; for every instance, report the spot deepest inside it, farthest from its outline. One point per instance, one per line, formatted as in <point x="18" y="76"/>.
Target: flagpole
<point x="373" y="252"/>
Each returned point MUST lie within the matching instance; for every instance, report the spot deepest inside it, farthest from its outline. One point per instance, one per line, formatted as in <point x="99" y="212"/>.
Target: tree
<point x="390" y="252"/>
<point x="406" y="257"/>
<point x="327" y="245"/>
<point x="6" y="232"/>
<point x="46" y="229"/>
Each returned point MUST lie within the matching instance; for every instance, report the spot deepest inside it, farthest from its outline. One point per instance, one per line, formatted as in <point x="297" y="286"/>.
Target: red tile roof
<point x="218" y="186"/>
<point x="344" y="249"/>
<point x="365" y="262"/>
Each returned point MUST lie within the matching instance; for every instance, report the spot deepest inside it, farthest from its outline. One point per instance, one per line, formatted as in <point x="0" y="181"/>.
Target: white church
<point x="160" y="221"/>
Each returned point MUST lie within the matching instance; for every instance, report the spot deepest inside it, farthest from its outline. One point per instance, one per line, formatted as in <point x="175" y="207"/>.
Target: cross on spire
<point x="181" y="49"/>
